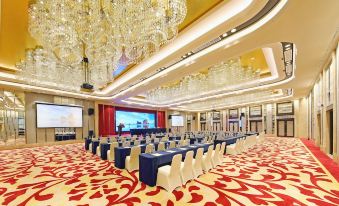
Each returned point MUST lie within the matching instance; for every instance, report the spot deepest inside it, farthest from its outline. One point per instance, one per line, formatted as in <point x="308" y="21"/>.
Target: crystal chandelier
<point x="42" y="68"/>
<point x="104" y="31"/>
<point x="223" y="76"/>
<point x="238" y="99"/>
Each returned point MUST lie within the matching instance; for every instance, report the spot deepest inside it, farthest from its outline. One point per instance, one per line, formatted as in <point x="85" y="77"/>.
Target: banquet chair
<point x="110" y="152"/>
<point x="132" y="161"/>
<point x="136" y="142"/>
<point x="102" y="140"/>
<point x="149" y="148"/>
<point x="215" y="156"/>
<point x="113" y="139"/>
<point x="205" y="139"/>
<point x="247" y="143"/>
<point x="180" y="143"/>
<point x="186" y="142"/>
<point x="207" y="159"/>
<point x="169" y="176"/>
<point x="259" y="140"/>
<point x="222" y="151"/>
<point x="90" y="144"/>
<point x="126" y="144"/>
<point x="186" y="168"/>
<point x="161" y="146"/>
<point x="197" y="163"/>
<point x="254" y="139"/>
<point x="172" y="144"/>
<point x="233" y="148"/>
<point x="241" y="145"/>
<point x="163" y="139"/>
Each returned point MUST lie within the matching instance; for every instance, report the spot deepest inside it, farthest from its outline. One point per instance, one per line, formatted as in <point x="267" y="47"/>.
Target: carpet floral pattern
<point x="279" y="172"/>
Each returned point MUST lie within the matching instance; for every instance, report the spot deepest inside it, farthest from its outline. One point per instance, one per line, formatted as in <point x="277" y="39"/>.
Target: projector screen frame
<point x="137" y="110"/>
<point x="183" y="121"/>
<point x="66" y="105"/>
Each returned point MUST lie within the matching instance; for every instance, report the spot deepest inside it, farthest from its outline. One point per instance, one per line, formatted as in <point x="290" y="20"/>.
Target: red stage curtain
<point x="161" y="119"/>
<point x="106" y="120"/>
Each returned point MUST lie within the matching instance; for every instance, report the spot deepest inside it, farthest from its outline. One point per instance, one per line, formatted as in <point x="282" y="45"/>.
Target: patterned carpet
<point x="280" y="172"/>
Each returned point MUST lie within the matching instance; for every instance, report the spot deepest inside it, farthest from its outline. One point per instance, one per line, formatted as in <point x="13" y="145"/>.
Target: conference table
<point x="147" y="131"/>
<point x="149" y="163"/>
<point x="87" y="142"/>
<point x="228" y="140"/>
<point x="104" y="147"/>
<point x="95" y="144"/>
<point x="231" y="139"/>
<point x="120" y="153"/>
<point x="174" y="138"/>
<point x="63" y="137"/>
<point x="196" y="139"/>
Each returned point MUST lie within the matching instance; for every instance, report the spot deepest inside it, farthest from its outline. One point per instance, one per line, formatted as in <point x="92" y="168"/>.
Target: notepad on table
<point x="157" y="154"/>
<point x="171" y="151"/>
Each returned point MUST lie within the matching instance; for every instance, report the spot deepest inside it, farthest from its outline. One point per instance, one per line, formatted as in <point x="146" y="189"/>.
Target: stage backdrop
<point x="107" y="118"/>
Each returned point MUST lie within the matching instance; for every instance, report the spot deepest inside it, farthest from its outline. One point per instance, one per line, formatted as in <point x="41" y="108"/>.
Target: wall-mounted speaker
<point x="169" y="116"/>
<point x="193" y="117"/>
<point x="90" y="111"/>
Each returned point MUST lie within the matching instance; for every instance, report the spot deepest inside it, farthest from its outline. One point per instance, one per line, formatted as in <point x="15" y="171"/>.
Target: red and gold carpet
<point x="280" y="172"/>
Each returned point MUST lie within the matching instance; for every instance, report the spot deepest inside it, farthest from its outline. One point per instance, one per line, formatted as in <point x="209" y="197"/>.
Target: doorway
<point x="330" y="130"/>
<point x="234" y="126"/>
<point x="319" y="129"/>
<point x="256" y="126"/>
<point x="216" y="126"/>
<point x="285" y="127"/>
<point x="203" y="126"/>
<point x="188" y="126"/>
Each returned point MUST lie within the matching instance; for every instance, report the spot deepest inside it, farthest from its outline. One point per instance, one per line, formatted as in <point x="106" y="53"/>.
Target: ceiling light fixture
<point x="106" y="32"/>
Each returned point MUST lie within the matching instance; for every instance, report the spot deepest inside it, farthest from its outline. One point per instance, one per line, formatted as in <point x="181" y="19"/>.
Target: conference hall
<point x="169" y="102"/>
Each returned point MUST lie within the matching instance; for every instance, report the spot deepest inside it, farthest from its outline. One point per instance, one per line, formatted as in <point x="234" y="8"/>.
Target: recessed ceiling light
<point x="224" y="35"/>
<point x="233" y="30"/>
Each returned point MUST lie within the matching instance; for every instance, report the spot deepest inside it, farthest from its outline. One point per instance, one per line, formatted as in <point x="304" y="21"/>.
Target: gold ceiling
<point x="14" y="36"/>
<point x="255" y="59"/>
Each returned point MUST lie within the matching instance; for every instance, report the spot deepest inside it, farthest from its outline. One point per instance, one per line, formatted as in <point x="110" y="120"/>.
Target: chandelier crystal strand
<point x="223" y="76"/>
<point x="105" y="30"/>
<point x="234" y="100"/>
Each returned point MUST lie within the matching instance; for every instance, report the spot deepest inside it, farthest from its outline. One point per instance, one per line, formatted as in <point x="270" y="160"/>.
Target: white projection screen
<point x="58" y="116"/>
<point x="177" y="121"/>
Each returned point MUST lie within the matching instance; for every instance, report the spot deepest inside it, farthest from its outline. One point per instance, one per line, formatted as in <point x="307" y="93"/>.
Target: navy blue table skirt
<point x="120" y="153"/>
<point x="95" y="144"/>
<point x="193" y="140"/>
<point x="87" y="142"/>
<point x="174" y="138"/>
<point x="149" y="164"/>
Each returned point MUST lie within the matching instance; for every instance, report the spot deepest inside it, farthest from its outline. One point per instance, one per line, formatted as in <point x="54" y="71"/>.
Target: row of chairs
<point x="179" y="173"/>
<point x="243" y="144"/>
<point x="149" y="147"/>
<point x="131" y="161"/>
